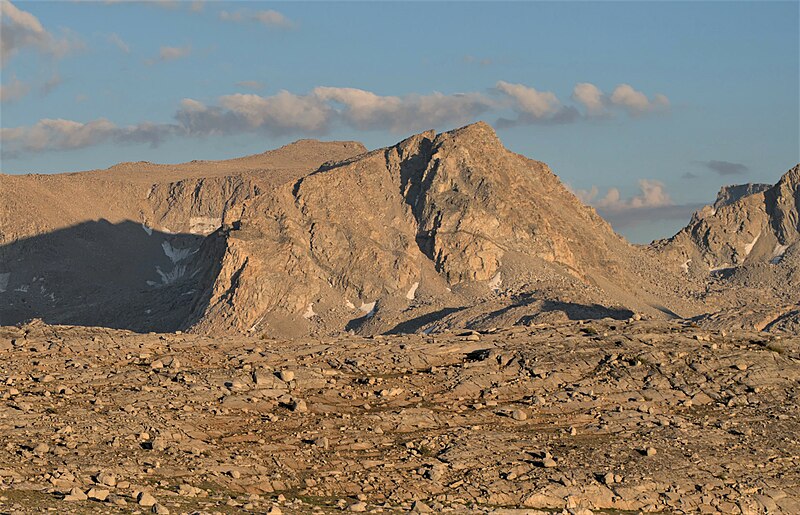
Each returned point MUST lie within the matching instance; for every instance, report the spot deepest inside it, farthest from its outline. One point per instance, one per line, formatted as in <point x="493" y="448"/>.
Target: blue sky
<point x="644" y="108"/>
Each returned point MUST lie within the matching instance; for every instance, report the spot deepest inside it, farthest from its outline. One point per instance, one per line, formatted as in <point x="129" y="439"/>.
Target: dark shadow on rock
<point x="97" y="273"/>
<point x="415" y="324"/>
<point x="575" y="311"/>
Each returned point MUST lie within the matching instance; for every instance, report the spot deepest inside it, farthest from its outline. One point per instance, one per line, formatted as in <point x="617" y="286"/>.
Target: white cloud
<point x="279" y="114"/>
<point x="590" y="96"/>
<point x="636" y="102"/>
<point x="366" y="110"/>
<point x="314" y="113"/>
<point x="170" y="53"/>
<point x="13" y="90"/>
<point x="651" y="194"/>
<point x="528" y="100"/>
<point x="652" y="203"/>
<point x="533" y="106"/>
<point x="60" y="134"/>
<point x="117" y="41"/>
<point x="268" y="18"/>
<point x="20" y="29"/>
<point x="283" y="111"/>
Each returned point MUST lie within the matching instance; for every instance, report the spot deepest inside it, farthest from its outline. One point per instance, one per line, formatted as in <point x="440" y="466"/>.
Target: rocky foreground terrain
<point x="600" y="415"/>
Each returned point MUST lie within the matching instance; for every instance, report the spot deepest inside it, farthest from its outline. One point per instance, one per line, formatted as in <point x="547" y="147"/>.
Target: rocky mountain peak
<point x="730" y="194"/>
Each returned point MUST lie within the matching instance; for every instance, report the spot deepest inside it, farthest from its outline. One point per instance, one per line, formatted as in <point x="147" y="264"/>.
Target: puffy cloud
<point x="170" y="53"/>
<point x="315" y="112"/>
<point x="268" y="18"/>
<point x="533" y="106"/>
<point x="652" y="203"/>
<point x="636" y="102"/>
<point x="538" y="104"/>
<point x="651" y="194"/>
<point x="590" y="96"/>
<point x="725" y="167"/>
<point x="280" y="114"/>
<point x="60" y="134"/>
<point x="366" y="110"/>
<point x="13" y="90"/>
<point x="20" y="29"/>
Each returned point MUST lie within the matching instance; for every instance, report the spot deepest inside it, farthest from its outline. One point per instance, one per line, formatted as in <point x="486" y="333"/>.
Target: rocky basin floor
<point x="606" y="415"/>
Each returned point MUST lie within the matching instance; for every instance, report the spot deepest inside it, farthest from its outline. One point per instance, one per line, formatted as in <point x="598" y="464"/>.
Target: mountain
<point x="749" y="223"/>
<point x="745" y="249"/>
<point x="440" y="231"/>
<point x="113" y="247"/>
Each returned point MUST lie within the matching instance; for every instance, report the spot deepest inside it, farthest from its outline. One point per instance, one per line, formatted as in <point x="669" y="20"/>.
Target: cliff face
<point x="120" y="247"/>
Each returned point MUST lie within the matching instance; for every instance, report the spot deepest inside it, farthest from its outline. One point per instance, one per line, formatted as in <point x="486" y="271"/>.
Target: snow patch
<point x="413" y="291"/>
<point x="685" y="266"/>
<point x="495" y="282"/>
<point x="777" y="254"/>
<point x="253" y="327"/>
<point x="309" y="311"/>
<point x="170" y="277"/>
<point x="749" y="247"/>
<point x="176" y="254"/>
<point x="4" y="277"/>
<point x="148" y="230"/>
<point x="368" y="308"/>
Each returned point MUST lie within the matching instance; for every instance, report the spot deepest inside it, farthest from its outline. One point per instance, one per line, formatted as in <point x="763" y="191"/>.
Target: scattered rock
<point x="145" y="499"/>
<point x="76" y="494"/>
<point x="97" y="494"/>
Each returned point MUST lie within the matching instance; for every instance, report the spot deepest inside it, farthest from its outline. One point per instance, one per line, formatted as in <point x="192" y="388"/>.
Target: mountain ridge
<point x="437" y="231"/>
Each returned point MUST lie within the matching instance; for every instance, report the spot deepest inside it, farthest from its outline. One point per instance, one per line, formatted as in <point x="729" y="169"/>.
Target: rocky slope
<point x="745" y="250"/>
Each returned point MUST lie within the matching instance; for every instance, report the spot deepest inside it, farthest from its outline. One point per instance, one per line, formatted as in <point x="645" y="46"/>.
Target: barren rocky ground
<point x="606" y="415"/>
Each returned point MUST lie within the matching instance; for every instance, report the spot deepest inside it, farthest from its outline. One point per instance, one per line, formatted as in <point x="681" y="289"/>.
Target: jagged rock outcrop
<point x="742" y="228"/>
<point x="730" y="194"/>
